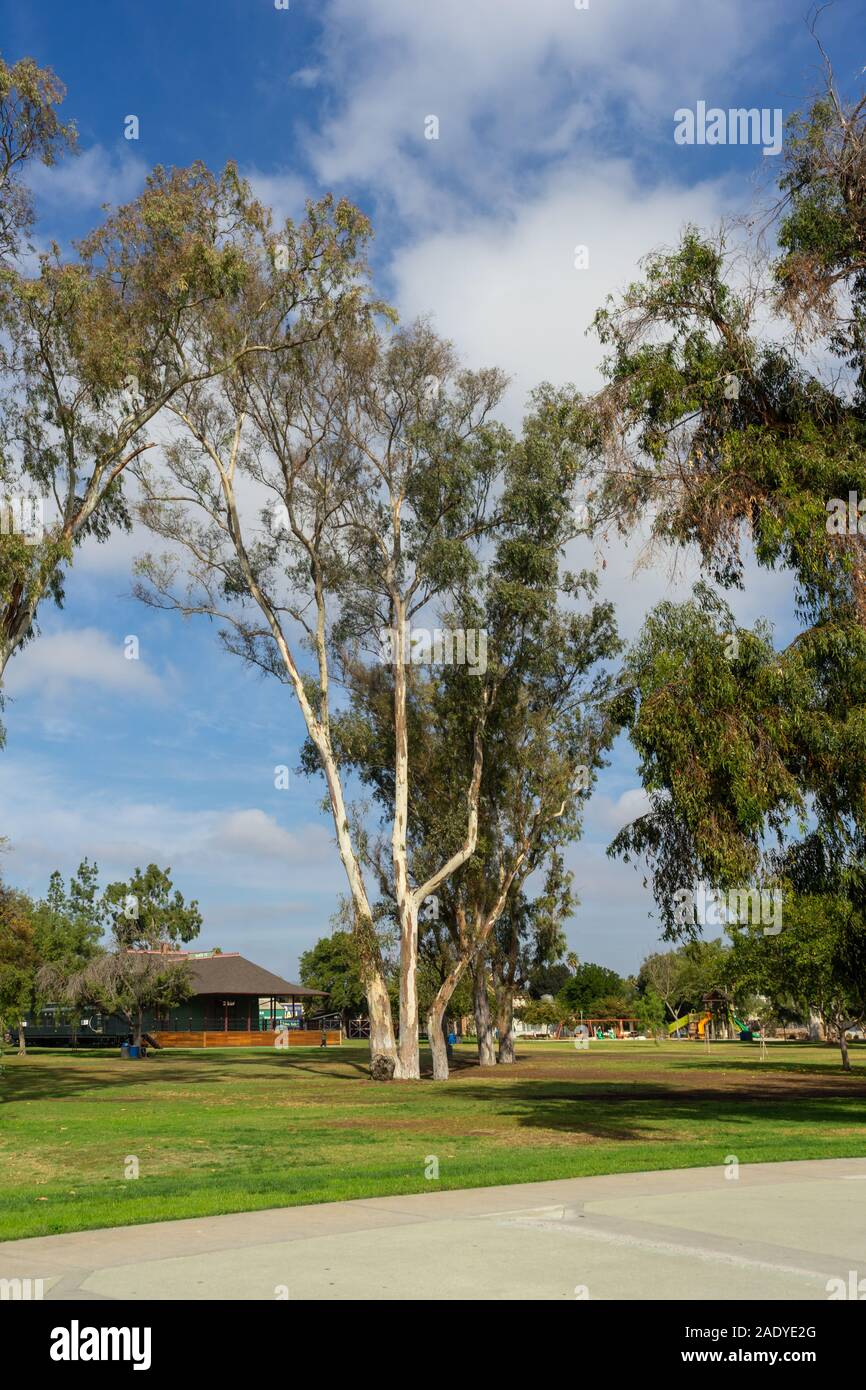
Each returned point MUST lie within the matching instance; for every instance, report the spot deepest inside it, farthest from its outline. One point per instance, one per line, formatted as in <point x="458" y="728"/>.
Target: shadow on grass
<point x="775" y="1064"/>
<point x="659" y="1113"/>
<point x="49" y="1075"/>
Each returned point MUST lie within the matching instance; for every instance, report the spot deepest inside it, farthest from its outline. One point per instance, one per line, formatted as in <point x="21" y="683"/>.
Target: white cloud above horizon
<point x="86" y="656"/>
<point x="90" y="178"/>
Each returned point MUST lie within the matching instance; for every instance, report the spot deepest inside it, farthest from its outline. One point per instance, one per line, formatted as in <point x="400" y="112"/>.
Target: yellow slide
<point x="702" y="1023"/>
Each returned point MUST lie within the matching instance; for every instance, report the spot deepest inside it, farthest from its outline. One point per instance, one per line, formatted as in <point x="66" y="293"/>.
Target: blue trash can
<point x="134" y="1052"/>
<point x="124" y="1051"/>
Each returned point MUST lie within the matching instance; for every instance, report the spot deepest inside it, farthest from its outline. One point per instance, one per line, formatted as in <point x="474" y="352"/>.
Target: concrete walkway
<point x="777" y="1231"/>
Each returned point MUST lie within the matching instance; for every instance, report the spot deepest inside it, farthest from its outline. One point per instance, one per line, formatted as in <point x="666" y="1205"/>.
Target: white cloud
<point x="254" y="834"/>
<point x="89" y="179"/>
<point x="510" y="80"/>
<point x="613" y="815"/>
<point x="81" y="656"/>
<point x="506" y="289"/>
<point x="208" y="850"/>
<point x="307" y="77"/>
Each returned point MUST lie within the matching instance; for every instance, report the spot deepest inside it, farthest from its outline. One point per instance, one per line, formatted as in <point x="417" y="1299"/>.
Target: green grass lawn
<point x="233" y="1130"/>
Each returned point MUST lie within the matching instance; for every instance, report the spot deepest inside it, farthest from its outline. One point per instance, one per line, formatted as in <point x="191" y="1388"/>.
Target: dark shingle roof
<point x="231" y="974"/>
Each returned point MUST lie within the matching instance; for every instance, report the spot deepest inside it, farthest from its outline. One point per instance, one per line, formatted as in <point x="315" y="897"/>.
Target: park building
<point x="235" y="1003"/>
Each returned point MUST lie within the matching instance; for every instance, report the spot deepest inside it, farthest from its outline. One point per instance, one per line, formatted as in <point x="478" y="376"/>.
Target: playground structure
<point x="716" y="1019"/>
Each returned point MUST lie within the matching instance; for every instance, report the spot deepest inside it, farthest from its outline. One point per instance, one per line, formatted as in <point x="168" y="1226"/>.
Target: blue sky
<point x="555" y="129"/>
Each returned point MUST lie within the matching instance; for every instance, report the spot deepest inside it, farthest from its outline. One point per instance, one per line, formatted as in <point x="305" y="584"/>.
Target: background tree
<point x="18" y="961"/>
<point x="67" y="927"/>
<point x="333" y="966"/>
<point x="129" y="983"/>
<point x="662" y="974"/>
<point x="546" y="979"/>
<point x="68" y="922"/>
<point x="589" y="987"/>
<point x="544" y="1013"/>
<point x="146" y="912"/>
<point x="649" y="1008"/>
<point x="817" y="964"/>
<point x="146" y="917"/>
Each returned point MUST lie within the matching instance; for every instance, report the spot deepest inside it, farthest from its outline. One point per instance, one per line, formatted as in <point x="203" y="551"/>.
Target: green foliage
<point x="649" y="1009"/>
<point x="145" y="914"/>
<point x="547" y="979"/>
<point x="541" y="1013"/>
<point x="733" y="441"/>
<point x="814" y="965"/>
<point x="590" y="988"/>
<point x="29" y="130"/>
<point x="67" y="924"/>
<point x="680" y="978"/>
<point x="18" y="956"/>
<point x="333" y="965"/>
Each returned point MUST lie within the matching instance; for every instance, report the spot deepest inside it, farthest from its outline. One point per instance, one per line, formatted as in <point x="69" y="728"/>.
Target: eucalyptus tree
<point x="30" y="129"/>
<point x="321" y="500"/>
<point x="740" y="439"/>
<point x="549" y="714"/>
<point x="533" y="725"/>
<point x="97" y="343"/>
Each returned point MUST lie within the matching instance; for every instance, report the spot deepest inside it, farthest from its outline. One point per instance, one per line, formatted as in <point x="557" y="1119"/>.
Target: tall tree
<point x="369" y="460"/>
<point x="733" y="439"/>
<point x="68" y="922"/>
<point x="95" y="347"/>
<point x="533" y="726"/>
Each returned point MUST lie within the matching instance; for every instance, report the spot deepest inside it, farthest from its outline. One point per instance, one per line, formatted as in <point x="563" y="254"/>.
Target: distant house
<point x="229" y="993"/>
<point x="232" y="996"/>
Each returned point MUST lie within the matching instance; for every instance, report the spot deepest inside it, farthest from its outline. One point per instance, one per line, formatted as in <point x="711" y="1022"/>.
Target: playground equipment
<point x="695" y="1024"/>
